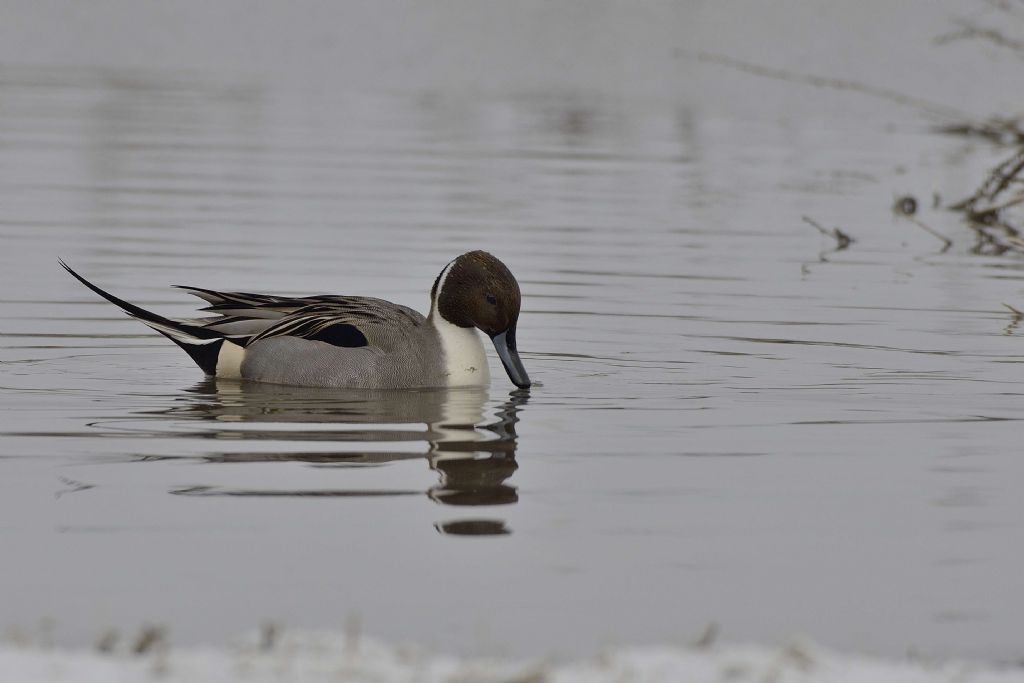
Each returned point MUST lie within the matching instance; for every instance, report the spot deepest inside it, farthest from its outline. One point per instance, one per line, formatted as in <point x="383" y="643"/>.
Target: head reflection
<point x="472" y="454"/>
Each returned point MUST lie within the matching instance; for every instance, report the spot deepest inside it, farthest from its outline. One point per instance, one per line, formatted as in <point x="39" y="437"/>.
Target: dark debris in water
<point x="997" y="130"/>
<point x="270" y="633"/>
<point x="842" y="239"/>
<point x="994" y="211"/>
<point x="107" y="641"/>
<point x="707" y="637"/>
<point x="151" y="637"/>
<point x="905" y="206"/>
<point x="1018" y="315"/>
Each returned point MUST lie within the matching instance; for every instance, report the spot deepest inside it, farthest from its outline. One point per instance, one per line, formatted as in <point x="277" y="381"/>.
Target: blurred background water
<point x="734" y="423"/>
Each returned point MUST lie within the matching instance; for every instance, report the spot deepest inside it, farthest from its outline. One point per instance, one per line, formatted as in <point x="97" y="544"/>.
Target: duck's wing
<point x="250" y="305"/>
<point x="348" y="321"/>
<point x="350" y="342"/>
<point x="246" y="314"/>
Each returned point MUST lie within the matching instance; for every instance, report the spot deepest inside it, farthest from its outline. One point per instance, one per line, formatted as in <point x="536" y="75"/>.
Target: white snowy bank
<point x="315" y="657"/>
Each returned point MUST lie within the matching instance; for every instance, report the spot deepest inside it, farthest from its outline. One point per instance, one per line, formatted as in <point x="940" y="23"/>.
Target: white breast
<point x="464" y="357"/>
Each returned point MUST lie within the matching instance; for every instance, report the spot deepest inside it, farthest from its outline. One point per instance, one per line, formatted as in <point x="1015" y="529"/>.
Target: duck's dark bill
<point x="505" y="345"/>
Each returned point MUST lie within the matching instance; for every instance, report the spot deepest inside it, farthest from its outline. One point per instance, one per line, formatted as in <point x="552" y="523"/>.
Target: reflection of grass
<point x="989" y="211"/>
<point x="1001" y="131"/>
<point x="992" y="196"/>
<point x="822" y="81"/>
<point x="1017" y="317"/>
<point x="970" y="30"/>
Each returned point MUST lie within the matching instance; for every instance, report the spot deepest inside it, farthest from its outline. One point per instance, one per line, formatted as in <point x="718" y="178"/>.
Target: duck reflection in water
<point x="474" y="457"/>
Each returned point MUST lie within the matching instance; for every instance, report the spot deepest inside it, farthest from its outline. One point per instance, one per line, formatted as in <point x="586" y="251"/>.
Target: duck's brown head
<point x="477" y="290"/>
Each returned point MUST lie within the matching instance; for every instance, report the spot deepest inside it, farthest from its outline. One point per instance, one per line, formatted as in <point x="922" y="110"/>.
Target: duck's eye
<point x="491" y="299"/>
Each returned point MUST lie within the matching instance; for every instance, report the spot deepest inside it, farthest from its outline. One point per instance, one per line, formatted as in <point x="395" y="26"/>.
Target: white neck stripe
<point x="440" y="286"/>
<point x="464" y="358"/>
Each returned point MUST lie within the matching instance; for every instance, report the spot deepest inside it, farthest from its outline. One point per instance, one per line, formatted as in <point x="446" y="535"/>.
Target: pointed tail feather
<point x="202" y="344"/>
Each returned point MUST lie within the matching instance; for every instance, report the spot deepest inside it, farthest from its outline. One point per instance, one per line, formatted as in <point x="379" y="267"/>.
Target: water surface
<point x="733" y="421"/>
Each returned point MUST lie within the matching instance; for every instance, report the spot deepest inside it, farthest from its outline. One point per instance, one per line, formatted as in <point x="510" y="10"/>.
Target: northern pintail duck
<point x="354" y="341"/>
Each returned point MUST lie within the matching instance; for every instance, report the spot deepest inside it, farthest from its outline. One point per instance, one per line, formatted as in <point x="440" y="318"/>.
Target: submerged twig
<point x="842" y="239"/>
<point x="946" y="242"/>
<point x="905" y="207"/>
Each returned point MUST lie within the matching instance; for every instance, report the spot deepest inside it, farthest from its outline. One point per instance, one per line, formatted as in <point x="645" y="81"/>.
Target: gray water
<point x="733" y="422"/>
